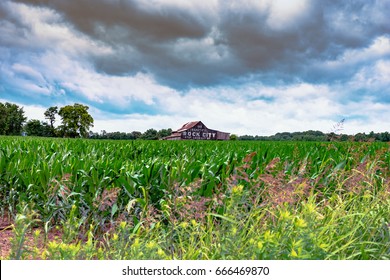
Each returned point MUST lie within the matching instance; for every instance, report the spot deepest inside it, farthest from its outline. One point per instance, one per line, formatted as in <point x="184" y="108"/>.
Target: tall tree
<point x="76" y="120"/>
<point x="50" y="114"/>
<point x="11" y="119"/>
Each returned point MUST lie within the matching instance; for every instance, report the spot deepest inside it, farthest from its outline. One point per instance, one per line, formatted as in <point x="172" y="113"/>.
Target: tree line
<point x="150" y="134"/>
<point x="319" y="136"/>
<point x="76" y="122"/>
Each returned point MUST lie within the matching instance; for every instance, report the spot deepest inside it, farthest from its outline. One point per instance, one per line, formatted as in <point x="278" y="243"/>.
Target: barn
<point x="197" y="131"/>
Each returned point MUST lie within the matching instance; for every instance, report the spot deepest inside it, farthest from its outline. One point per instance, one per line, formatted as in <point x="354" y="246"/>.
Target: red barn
<point x="197" y="131"/>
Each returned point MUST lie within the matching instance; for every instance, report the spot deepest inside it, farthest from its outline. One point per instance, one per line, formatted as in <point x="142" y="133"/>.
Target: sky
<point x="244" y="67"/>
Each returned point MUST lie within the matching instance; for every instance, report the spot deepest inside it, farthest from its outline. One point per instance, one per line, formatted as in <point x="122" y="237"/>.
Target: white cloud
<point x="285" y="14"/>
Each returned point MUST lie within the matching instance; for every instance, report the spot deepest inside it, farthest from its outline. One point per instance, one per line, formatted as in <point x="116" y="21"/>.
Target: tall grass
<point x="198" y="200"/>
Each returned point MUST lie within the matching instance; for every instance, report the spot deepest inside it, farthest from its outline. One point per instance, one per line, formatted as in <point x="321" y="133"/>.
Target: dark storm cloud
<point x="182" y="47"/>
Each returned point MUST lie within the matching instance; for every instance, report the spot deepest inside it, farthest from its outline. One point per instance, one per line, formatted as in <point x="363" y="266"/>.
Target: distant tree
<point x="360" y="137"/>
<point x="150" y="134"/>
<point x="136" y="135"/>
<point x="33" y="128"/>
<point x="384" y="136"/>
<point x="164" y="133"/>
<point x="76" y="121"/>
<point x="3" y="119"/>
<point x="344" y="137"/>
<point x="246" y="137"/>
<point x="11" y="119"/>
<point x="233" y="137"/>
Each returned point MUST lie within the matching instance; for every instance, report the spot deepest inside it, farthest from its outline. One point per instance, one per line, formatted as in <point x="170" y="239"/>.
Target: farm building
<point x="197" y="131"/>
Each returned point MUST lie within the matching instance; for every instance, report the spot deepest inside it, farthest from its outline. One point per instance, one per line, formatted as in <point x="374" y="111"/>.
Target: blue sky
<point x="246" y="67"/>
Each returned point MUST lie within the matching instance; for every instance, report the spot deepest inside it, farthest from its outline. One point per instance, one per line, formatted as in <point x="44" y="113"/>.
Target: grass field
<point x="195" y="200"/>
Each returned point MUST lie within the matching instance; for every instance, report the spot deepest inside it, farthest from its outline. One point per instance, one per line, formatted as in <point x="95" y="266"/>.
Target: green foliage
<point x="11" y="119"/>
<point x="76" y="120"/>
<point x="37" y="128"/>
<point x="50" y="114"/>
<point x="150" y="134"/>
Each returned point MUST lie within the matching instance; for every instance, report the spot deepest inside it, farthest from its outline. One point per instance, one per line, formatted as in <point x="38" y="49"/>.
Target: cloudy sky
<point x="245" y="67"/>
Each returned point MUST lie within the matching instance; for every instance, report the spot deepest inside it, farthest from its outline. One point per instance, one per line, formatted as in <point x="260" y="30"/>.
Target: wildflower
<point x="324" y="246"/>
<point x="310" y="208"/>
<point x="161" y="252"/>
<point x="194" y="222"/>
<point x="115" y="237"/>
<point x="234" y="230"/>
<point x="300" y="223"/>
<point x="53" y="245"/>
<point x="260" y="245"/>
<point x="44" y="255"/>
<point x="268" y="236"/>
<point x="285" y="215"/>
<point x="37" y="233"/>
<point x="294" y="254"/>
<point x="237" y="189"/>
<point x="136" y="243"/>
<point x="122" y="225"/>
<point x="184" y="225"/>
<point x="151" y="245"/>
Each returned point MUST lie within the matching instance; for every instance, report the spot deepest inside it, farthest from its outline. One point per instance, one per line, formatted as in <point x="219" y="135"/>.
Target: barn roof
<point x="189" y="125"/>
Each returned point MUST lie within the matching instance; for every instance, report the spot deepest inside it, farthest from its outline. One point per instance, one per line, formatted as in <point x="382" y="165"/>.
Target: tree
<point x="50" y="114"/>
<point x="37" y="128"/>
<point x="150" y="134"/>
<point x="33" y="128"/>
<point x="11" y="119"/>
<point x="136" y="134"/>
<point x="164" y="133"/>
<point x="76" y="121"/>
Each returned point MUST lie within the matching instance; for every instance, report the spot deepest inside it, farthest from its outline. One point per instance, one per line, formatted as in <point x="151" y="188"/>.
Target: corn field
<point x="195" y="199"/>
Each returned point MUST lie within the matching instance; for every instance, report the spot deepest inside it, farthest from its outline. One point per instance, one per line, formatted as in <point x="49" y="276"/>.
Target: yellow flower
<point x="237" y="189"/>
<point x="136" y="243"/>
<point x="115" y="237"/>
<point x="161" y="253"/>
<point x="285" y="215"/>
<point x="194" y="223"/>
<point x="260" y="245"/>
<point x="52" y="245"/>
<point x="323" y="246"/>
<point x="122" y="225"/>
<point x="234" y="230"/>
<point x="294" y="254"/>
<point x="151" y="245"/>
<point x="310" y="207"/>
<point x="301" y="223"/>
<point x="268" y="236"/>
<point x="37" y="233"/>
<point x="44" y="255"/>
<point x="184" y="224"/>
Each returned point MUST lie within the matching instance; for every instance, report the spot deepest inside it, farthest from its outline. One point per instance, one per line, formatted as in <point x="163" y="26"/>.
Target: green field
<point x="196" y="200"/>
